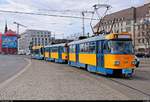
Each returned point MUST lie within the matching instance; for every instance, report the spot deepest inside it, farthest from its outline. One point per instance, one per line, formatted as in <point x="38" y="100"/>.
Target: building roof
<point x="126" y="13"/>
<point x="132" y="13"/>
<point x="142" y="11"/>
<point x="56" y="45"/>
<point x="10" y="33"/>
<point x="37" y="30"/>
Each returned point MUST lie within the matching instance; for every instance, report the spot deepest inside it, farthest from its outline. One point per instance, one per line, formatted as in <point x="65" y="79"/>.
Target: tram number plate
<point x="126" y="71"/>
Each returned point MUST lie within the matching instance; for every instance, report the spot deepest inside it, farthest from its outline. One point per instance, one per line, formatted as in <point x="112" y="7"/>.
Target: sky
<point x="61" y="27"/>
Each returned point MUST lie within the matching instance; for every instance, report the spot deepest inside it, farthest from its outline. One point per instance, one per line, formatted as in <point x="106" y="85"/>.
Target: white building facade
<point x="36" y="37"/>
<point x="147" y="1"/>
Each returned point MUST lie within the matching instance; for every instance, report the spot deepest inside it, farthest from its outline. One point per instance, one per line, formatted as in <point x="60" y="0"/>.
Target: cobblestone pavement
<point x="50" y="81"/>
<point x="10" y="65"/>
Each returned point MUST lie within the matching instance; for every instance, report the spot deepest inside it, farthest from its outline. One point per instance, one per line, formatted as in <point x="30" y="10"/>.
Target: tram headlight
<point x="133" y="62"/>
<point x="117" y="62"/>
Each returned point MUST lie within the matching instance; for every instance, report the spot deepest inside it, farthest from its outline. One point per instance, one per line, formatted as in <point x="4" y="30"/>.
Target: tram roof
<point x="55" y="45"/>
<point x="96" y="38"/>
<point x="124" y="35"/>
<point x="36" y="47"/>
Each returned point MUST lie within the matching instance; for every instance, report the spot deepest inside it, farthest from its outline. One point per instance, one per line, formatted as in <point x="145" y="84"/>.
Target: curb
<point x="15" y="76"/>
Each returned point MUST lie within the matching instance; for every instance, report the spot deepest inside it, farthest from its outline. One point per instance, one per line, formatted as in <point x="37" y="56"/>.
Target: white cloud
<point x="55" y="24"/>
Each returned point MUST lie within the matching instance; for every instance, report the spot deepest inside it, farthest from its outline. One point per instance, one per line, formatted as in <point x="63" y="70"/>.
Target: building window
<point x="138" y="34"/>
<point x="128" y="29"/>
<point x="43" y="40"/>
<point x="50" y="39"/>
<point x="139" y="40"/>
<point x="121" y="24"/>
<point x="118" y="24"/>
<point x="35" y="39"/>
<point x="143" y="33"/>
<point x="128" y="22"/>
<point x="121" y="30"/>
<point x="143" y="41"/>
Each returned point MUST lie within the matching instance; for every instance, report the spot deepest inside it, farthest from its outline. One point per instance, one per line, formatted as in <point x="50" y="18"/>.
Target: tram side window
<point x="54" y="49"/>
<point x="92" y="47"/>
<point x="81" y="47"/>
<point x="61" y="49"/>
<point x="36" y="51"/>
<point x="47" y="49"/>
<point x="89" y="47"/>
<point x="72" y="48"/>
<point x="65" y="49"/>
<point x="106" y="48"/>
<point x="84" y="48"/>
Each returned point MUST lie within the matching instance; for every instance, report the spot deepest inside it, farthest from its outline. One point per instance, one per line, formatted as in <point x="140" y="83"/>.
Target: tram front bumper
<point x="127" y="71"/>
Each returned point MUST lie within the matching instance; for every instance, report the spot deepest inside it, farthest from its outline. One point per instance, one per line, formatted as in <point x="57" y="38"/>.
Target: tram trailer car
<point x="37" y="52"/>
<point x="57" y="53"/>
<point x="110" y="54"/>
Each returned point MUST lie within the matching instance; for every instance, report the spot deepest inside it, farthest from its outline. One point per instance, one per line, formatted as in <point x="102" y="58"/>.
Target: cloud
<point x="58" y="25"/>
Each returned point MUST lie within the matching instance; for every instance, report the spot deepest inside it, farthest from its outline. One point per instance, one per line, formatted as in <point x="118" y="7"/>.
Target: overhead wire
<point x="43" y="14"/>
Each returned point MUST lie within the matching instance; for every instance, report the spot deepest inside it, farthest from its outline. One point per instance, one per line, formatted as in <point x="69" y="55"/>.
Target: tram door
<point x="100" y="54"/>
<point x="41" y="52"/>
<point x="77" y="52"/>
<point x="49" y="53"/>
<point x="60" y="52"/>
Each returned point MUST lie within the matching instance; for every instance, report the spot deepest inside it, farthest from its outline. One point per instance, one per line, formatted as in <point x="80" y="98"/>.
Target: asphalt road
<point x="10" y="65"/>
<point x="46" y="80"/>
<point x="137" y="87"/>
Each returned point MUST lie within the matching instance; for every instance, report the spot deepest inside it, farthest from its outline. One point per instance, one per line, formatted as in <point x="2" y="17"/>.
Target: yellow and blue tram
<point x="57" y="53"/>
<point x="37" y="52"/>
<point x="111" y="54"/>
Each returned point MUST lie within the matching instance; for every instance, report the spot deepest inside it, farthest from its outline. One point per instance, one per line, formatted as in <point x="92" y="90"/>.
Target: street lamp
<point x="18" y="24"/>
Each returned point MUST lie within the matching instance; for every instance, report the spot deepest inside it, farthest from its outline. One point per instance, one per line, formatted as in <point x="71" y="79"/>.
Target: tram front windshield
<point x="36" y="51"/>
<point x="120" y="47"/>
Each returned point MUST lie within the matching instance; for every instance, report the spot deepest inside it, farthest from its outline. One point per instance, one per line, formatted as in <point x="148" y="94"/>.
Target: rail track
<point x="128" y="86"/>
<point x="108" y="78"/>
